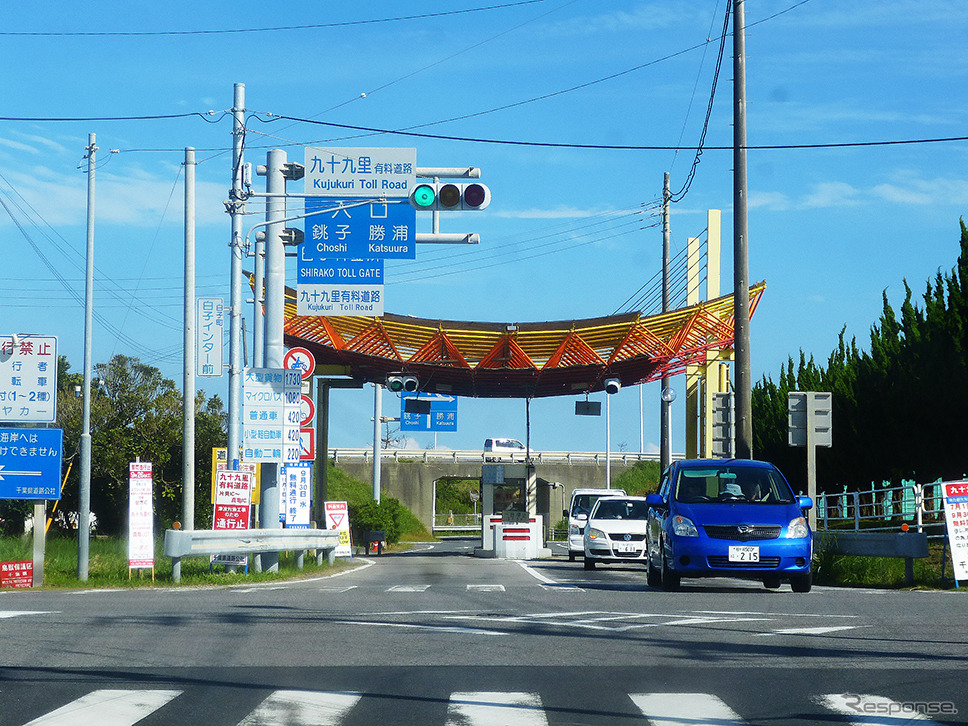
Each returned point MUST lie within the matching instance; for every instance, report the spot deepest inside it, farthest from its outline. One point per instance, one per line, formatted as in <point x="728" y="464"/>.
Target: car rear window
<point x="731" y="484"/>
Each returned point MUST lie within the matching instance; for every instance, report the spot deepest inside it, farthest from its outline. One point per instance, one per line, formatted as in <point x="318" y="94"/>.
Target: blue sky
<point x="570" y="232"/>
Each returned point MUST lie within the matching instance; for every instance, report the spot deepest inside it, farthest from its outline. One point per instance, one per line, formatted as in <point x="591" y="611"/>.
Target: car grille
<point x="723" y="561"/>
<point x="732" y="531"/>
<point x="630" y="537"/>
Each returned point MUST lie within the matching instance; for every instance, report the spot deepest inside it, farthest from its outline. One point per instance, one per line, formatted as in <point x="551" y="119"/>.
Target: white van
<point x="503" y="446"/>
<point x="582" y="501"/>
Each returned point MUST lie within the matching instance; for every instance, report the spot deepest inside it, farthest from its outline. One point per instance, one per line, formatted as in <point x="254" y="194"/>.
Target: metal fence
<point x="885" y="508"/>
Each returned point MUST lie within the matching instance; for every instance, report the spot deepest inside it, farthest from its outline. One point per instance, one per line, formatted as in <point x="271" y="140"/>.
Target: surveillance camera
<point x="612" y="386"/>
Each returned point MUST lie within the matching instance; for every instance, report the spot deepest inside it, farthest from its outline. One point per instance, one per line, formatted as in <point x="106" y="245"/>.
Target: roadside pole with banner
<point x="232" y="501"/>
<point x="956" y="519"/>
<point x="141" y="536"/>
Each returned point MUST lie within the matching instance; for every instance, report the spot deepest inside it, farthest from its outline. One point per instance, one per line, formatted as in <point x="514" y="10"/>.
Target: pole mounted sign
<point x="442" y="415"/>
<point x="28" y="379"/>
<point x="342" y="172"/>
<point x="30" y="463"/>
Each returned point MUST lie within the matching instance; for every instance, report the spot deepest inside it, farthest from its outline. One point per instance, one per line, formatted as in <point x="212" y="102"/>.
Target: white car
<point x="616" y="530"/>
<point x="582" y="501"/>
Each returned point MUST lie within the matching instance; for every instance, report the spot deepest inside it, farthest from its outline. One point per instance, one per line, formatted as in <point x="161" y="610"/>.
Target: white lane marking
<point x="486" y="588"/>
<point x="302" y="708"/>
<point x="408" y="588"/>
<point x="813" y="631"/>
<point x="419" y="626"/>
<point x="772" y="615"/>
<point x="535" y="574"/>
<point x="107" y="708"/>
<point x="685" y="709"/>
<point x="873" y="710"/>
<point x="257" y="589"/>
<point x="338" y="590"/>
<point x="560" y="588"/>
<point x="18" y="613"/>
<point x="484" y="708"/>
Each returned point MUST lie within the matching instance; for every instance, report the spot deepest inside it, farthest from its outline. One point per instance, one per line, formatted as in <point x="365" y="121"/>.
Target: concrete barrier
<point x="204" y="542"/>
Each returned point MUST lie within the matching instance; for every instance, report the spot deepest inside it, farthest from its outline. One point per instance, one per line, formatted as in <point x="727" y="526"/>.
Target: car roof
<point x="707" y="463"/>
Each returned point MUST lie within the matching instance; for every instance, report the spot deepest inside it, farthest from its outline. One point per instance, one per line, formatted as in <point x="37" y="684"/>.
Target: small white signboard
<point x="296" y="485"/>
<point x="209" y="315"/>
<point x="271" y="415"/>
<point x="28" y="378"/>
<point x="141" y="537"/>
<point x="956" y="517"/>
<point x="338" y="517"/>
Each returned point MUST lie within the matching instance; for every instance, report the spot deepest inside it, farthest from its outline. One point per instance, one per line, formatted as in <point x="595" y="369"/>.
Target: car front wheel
<point x="670" y="580"/>
<point x="653" y="575"/>
<point x="589" y="563"/>
<point x="802" y="583"/>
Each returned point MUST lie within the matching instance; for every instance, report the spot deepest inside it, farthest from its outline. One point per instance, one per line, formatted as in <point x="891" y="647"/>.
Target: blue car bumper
<point x="704" y="556"/>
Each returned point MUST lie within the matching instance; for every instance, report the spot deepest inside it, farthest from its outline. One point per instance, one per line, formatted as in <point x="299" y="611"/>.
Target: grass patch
<point x="108" y="565"/>
<point x="882" y="572"/>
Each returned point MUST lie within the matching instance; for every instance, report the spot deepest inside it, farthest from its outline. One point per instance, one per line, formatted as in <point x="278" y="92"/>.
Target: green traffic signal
<point x="424" y="196"/>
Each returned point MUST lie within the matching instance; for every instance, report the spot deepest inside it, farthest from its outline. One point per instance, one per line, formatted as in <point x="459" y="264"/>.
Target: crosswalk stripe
<point x="486" y="588"/>
<point x="486" y="708"/>
<point x="408" y="588"/>
<point x="685" y="709"/>
<point x="107" y="708"/>
<point x="873" y="710"/>
<point x="302" y="708"/>
<point x="18" y="613"/>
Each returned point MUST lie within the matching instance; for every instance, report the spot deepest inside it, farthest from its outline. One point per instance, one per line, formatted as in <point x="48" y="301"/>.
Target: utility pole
<point x="84" y="488"/>
<point x="235" y="206"/>
<point x="665" y="405"/>
<point x="188" y="385"/>
<point x="741" y="285"/>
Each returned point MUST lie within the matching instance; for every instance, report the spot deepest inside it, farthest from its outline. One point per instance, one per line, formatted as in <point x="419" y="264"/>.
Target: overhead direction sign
<point x="339" y="286"/>
<point x="360" y="172"/>
<point x="442" y="416"/>
<point x="359" y="228"/>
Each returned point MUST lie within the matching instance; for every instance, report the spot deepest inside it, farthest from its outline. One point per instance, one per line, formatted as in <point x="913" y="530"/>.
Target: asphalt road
<point x="436" y="636"/>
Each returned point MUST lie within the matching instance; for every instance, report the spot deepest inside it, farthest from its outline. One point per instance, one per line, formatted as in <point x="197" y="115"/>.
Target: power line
<point x="274" y="29"/>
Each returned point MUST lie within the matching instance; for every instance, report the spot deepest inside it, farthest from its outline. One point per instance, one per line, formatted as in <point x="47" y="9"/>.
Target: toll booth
<point x="511" y="527"/>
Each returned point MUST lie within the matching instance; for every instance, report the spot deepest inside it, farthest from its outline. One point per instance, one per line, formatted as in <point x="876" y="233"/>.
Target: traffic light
<point x="397" y="383"/>
<point x="436" y="196"/>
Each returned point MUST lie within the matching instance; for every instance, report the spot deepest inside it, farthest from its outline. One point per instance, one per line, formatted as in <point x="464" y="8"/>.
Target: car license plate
<point x="626" y="547"/>
<point x="744" y="553"/>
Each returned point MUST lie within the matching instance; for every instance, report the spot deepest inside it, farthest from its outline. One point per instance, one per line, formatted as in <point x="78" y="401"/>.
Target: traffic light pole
<point x="235" y="206"/>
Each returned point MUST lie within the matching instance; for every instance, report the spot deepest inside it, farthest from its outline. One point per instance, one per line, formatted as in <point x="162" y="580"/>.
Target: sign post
<point x="141" y="539"/>
<point x="956" y="519"/>
<point x="809" y="420"/>
<point x="338" y="517"/>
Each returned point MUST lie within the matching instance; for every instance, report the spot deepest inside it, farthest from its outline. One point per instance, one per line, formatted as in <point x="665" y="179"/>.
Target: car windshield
<point x="731" y="484"/>
<point x="621" y="509"/>
<point x="583" y="503"/>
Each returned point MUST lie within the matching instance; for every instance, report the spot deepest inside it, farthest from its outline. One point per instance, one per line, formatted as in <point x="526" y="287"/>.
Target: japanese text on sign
<point x="360" y="172"/>
<point x="956" y="517"/>
<point x="209" y="316"/>
<point x="271" y="414"/>
<point x="141" y="539"/>
<point x="28" y="379"/>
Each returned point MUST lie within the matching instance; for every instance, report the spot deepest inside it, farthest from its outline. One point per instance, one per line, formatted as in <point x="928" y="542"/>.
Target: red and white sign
<point x="338" y="517"/>
<point x="307" y="410"/>
<point x="233" y="497"/>
<point x="300" y="359"/>
<point x="956" y="517"/>
<point x="141" y="536"/>
<point x="17" y="574"/>
<point x="307" y="443"/>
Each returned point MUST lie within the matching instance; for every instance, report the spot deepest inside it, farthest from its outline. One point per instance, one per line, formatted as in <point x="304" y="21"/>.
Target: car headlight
<point x="797" y="529"/>
<point x="593" y="533"/>
<point x="683" y="527"/>
<point x="574" y="529"/>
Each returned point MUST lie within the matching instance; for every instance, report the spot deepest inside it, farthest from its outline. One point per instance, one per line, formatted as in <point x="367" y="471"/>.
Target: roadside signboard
<point x="270" y="415"/>
<point x="17" y="574"/>
<point x="338" y="517"/>
<point x="300" y="359"/>
<point x="359" y="229"/>
<point x="28" y="379"/>
<point x="219" y="462"/>
<point x="30" y="463"/>
<point x="442" y="416"/>
<point x="141" y="535"/>
<point x="336" y="286"/>
<point x="232" y="505"/>
<point x="296" y="485"/>
<point x="360" y="172"/>
<point x="956" y="517"/>
<point x="209" y="317"/>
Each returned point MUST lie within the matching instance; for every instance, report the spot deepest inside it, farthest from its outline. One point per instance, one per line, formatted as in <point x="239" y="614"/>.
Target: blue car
<point x="728" y="517"/>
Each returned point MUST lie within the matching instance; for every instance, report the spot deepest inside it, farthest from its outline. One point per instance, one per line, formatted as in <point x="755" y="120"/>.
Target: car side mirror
<point x="564" y="513"/>
<point x="582" y="517"/>
<point x="805" y="503"/>
<point x="655" y="500"/>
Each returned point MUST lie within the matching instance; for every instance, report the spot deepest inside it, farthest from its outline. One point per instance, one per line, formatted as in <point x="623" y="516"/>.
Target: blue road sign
<point x="360" y="229"/>
<point x="30" y="463"/>
<point x="442" y="416"/>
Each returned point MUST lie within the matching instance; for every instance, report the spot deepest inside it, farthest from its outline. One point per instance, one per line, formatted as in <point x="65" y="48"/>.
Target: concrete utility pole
<point x="377" y="441"/>
<point x="236" y="209"/>
<point x="665" y="403"/>
<point x="84" y="488"/>
<point x="741" y="284"/>
<point x="188" y="386"/>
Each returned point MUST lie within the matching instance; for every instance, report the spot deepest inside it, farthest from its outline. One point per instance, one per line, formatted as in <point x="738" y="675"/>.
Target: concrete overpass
<point x="410" y="475"/>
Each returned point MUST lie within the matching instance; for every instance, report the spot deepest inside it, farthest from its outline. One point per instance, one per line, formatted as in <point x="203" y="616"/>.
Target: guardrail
<point x="205" y="542"/>
<point x="884" y="508"/>
<point x="473" y="455"/>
